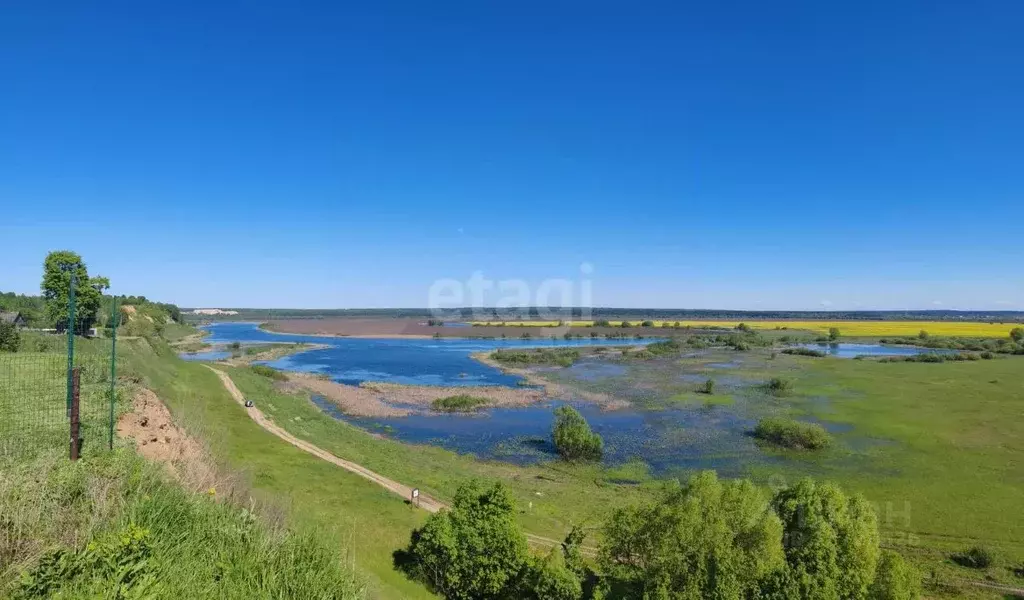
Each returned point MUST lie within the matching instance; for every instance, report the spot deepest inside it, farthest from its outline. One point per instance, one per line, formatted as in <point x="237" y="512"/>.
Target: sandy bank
<point x="376" y="399"/>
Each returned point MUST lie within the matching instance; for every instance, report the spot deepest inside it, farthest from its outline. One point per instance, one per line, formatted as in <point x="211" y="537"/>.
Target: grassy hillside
<point x="113" y="525"/>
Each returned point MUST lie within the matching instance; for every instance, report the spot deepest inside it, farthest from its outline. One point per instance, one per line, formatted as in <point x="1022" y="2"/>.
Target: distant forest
<point x="509" y="314"/>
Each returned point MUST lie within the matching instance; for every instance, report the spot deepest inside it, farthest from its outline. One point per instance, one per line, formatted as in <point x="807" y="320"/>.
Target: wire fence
<point x="46" y="383"/>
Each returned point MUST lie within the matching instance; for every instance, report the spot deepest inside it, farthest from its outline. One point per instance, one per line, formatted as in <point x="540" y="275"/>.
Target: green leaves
<point x="573" y="437"/>
<point x="474" y="550"/>
<point x="57" y="274"/>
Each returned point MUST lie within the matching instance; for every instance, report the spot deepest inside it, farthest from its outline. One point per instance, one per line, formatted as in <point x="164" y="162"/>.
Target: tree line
<point x="707" y="538"/>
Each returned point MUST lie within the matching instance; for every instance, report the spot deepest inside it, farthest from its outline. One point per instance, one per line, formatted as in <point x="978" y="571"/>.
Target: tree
<point x="56" y="285"/>
<point x="744" y="328"/>
<point x="830" y="541"/>
<point x="707" y="539"/>
<point x="833" y="334"/>
<point x="475" y="550"/>
<point x="550" y="579"/>
<point x="10" y="339"/>
<point x="1017" y="334"/>
<point x="573" y="437"/>
<point x="895" y="579"/>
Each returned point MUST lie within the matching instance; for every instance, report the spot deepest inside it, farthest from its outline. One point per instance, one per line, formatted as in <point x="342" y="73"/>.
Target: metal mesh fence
<point x="38" y="386"/>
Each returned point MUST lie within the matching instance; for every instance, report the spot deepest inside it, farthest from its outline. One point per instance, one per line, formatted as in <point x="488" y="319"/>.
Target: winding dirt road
<point x="425" y="502"/>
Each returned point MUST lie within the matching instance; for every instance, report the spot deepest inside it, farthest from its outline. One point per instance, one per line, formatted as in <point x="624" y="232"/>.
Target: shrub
<point x="662" y="348"/>
<point x="458" y="403"/>
<point x="834" y="334"/>
<point x="708" y="387"/>
<point x="791" y="434"/>
<point x="573" y="437"/>
<point x="563" y="357"/>
<point x="602" y="323"/>
<point x="923" y="335"/>
<point x="550" y="579"/>
<point x="270" y="372"/>
<point x="647" y="324"/>
<point x="895" y="579"/>
<point x="804" y="352"/>
<point x="778" y="386"/>
<point x="235" y="345"/>
<point x="625" y="324"/>
<point x="975" y="557"/>
<point x="1017" y="334"/>
<point x="744" y="328"/>
<point x="10" y="339"/>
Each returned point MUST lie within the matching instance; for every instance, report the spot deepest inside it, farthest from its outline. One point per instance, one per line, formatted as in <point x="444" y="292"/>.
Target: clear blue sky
<point x="757" y="155"/>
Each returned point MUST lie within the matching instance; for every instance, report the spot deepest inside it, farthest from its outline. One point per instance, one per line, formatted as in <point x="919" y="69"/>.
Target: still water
<point x="414" y="361"/>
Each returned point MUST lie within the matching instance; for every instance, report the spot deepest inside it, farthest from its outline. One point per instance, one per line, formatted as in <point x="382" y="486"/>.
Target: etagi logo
<point x="508" y="299"/>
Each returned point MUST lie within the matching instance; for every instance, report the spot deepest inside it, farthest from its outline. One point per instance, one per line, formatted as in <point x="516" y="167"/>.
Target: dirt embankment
<point x="150" y="425"/>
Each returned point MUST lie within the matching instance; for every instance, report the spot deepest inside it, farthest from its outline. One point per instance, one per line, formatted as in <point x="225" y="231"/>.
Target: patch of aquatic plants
<point x="804" y="352"/>
<point x="563" y="357"/>
<point x="794" y="435"/>
<point x="458" y="403"/>
<point x="1008" y="345"/>
<point x="935" y="357"/>
<point x="778" y="386"/>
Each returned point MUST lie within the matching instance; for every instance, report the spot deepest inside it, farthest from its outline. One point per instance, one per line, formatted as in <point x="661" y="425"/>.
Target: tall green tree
<point x="707" y="539"/>
<point x="830" y="540"/>
<point x="475" y="550"/>
<point x="57" y="274"/>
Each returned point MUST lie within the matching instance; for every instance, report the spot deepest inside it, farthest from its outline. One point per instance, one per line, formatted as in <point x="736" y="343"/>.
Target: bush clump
<point x="975" y="557"/>
<point x="778" y="386"/>
<point x="270" y="372"/>
<point x="708" y="387"/>
<point x="563" y="357"/>
<point x="791" y="434"/>
<point x="573" y="437"/>
<point x="804" y="352"/>
<point x="458" y="403"/>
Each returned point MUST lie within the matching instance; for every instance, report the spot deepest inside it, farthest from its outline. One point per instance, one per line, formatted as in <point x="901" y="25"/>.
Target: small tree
<point x="833" y="334"/>
<point x="708" y="387"/>
<point x="1017" y="334"/>
<point x="573" y="437"/>
<point x="744" y="328"/>
<point x="474" y="550"/>
<point x="56" y="285"/>
<point x="10" y="339"/>
<point x="895" y="579"/>
<point x="647" y="324"/>
<point x="922" y="335"/>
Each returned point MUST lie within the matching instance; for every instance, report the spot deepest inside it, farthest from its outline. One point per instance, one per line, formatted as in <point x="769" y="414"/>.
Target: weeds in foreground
<point x="112" y="526"/>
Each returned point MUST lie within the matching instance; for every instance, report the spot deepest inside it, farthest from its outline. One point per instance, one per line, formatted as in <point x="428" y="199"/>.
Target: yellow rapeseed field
<point x="846" y="328"/>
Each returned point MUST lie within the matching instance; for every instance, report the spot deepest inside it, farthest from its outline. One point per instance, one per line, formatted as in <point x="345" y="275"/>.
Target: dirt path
<point x="426" y="502"/>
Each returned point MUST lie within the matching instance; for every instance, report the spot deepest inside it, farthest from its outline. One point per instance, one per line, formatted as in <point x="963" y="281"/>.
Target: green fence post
<point x="71" y="328"/>
<point x="113" y="370"/>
